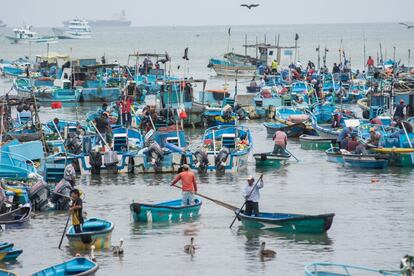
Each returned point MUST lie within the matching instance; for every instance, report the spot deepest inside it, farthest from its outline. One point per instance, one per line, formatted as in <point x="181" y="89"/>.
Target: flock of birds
<point x="189" y="249"/>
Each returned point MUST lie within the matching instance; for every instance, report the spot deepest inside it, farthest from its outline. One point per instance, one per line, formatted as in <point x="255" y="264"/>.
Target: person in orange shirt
<point x="189" y="185"/>
<point x="280" y="139"/>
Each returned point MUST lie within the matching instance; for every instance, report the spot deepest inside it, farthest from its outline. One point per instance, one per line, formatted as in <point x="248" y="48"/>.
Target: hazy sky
<point x="207" y="12"/>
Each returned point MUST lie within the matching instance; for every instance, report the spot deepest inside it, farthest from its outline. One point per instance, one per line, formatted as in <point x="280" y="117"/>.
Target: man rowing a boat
<point x="76" y="210"/>
<point x="189" y="185"/>
<point x="252" y="195"/>
<point x="280" y="139"/>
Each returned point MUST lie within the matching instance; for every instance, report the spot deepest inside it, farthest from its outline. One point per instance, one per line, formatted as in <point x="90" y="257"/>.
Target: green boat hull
<point x="288" y="223"/>
<point x="171" y="211"/>
<point x="270" y="160"/>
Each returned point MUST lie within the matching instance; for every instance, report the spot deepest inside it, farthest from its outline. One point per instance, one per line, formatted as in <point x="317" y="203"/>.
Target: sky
<point x="47" y="13"/>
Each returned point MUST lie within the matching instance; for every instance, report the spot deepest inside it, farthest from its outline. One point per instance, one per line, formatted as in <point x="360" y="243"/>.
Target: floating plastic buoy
<point x="56" y="105"/>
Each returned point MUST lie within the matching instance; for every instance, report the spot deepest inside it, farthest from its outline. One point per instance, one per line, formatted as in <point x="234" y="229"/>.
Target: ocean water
<point x="373" y="225"/>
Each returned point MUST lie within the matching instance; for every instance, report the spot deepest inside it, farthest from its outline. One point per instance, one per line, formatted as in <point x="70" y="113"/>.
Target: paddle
<point x="64" y="231"/>
<point x="291" y="154"/>
<point x="218" y="202"/>
<point x="238" y="213"/>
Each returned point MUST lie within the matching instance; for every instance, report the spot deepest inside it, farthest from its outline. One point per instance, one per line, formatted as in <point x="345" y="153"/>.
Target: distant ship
<point x="2" y="24"/>
<point x="119" y="20"/>
<point x="77" y="29"/>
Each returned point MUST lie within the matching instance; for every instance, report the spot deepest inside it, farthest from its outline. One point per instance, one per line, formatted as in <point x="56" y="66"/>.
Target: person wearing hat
<point x="374" y="137"/>
<point x="252" y="196"/>
<point x="188" y="183"/>
<point x="400" y="111"/>
<point x="103" y="126"/>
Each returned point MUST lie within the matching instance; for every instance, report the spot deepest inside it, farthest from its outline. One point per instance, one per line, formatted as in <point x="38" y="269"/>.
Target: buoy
<point x="56" y="105"/>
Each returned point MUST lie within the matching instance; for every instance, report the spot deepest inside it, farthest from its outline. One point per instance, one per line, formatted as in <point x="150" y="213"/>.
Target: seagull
<point x="406" y="25"/>
<point x="249" y="6"/>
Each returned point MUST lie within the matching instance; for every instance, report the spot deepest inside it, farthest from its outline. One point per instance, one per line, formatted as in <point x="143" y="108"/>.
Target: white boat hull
<point x="232" y="71"/>
<point x="68" y="34"/>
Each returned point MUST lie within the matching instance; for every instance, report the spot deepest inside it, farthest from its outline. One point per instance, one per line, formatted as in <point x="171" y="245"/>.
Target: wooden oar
<point x="291" y="154"/>
<point x="248" y="196"/>
<point x="64" y="231"/>
<point x="218" y="202"/>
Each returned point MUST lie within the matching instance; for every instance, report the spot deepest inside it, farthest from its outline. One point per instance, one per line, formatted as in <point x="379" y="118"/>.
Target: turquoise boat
<point x="288" y="223"/>
<point x="4" y="272"/>
<point x="75" y="266"/>
<point x="164" y="211"/>
<point x="95" y="232"/>
<point x="334" y="155"/>
<point x="11" y="252"/>
<point x="335" y="269"/>
<point x="310" y="142"/>
<point x="269" y="159"/>
<point x="365" y="161"/>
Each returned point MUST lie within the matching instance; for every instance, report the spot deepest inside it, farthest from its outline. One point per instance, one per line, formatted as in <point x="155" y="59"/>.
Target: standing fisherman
<point x="280" y="139"/>
<point x="189" y="185"/>
<point x="76" y="210"/>
<point x="252" y="196"/>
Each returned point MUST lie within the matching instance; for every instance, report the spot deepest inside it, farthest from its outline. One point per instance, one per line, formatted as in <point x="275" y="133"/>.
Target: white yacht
<point x="77" y="29"/>
<point x="26" y="35"/>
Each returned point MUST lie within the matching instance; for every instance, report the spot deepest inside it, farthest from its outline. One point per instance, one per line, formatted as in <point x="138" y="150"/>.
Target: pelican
<point x="190" y="248"/>
<point x="249" y="6"/>
<point x="118" y="250"/>
<point x="266" y="253"/>
<point x="92" y="255"/>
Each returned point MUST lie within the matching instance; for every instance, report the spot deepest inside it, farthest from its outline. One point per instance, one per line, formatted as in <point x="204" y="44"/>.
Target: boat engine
<point x="95" y="160"/>
<point x="241" y="113"/>
<point x="61" y="195"/>
<point x="221" y="159"/>
<point x="201" y="161"/>
<point x="74" y="145"/>
<point x="111" y="161"/>
<point x="155" y="155"/>
<point x="39" y="196"/>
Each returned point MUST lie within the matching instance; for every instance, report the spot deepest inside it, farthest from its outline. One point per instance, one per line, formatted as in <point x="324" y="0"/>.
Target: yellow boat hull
<point x="100" y="242"/>
<point x="394" y="150"/>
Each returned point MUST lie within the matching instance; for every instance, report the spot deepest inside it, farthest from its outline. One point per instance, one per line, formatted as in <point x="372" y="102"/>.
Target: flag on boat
<point x="296" y="36"/>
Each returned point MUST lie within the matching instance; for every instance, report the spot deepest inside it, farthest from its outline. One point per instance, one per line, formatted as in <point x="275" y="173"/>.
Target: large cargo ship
<point x="2" y="24"/>
<point x="119" y="20"/>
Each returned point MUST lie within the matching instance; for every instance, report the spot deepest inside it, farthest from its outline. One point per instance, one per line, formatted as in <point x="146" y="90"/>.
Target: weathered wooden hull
<point x="101" y="238"/>
<point x="288" y="223"/>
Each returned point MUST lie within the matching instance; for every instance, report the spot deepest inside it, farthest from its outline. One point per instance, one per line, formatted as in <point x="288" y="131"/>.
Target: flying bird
<point x="406" y="25"/>
<point x="186" y="54"/>
<point x="249" y="6"/>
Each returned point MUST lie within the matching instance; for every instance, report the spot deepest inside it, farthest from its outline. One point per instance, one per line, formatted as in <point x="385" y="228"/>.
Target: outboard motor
<point x="74" y="145"/>
<point x="61" y="195"/>
<point x="39" y="196"/>
<point x="111" y="161"/>
<point x="95" y="160"/>
<point x="3" y="200"/>
<point x="241" y="113"/>
<point x="221" y="159"/>
<point x="155" y="155"/>
<point x="201" y="161"/>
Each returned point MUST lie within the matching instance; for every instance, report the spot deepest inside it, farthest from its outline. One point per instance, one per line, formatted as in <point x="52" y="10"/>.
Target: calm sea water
<point x="373" y="222"/>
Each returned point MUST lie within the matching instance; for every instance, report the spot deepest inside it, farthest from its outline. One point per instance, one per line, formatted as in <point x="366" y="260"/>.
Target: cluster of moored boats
<point x="307" y="104"/>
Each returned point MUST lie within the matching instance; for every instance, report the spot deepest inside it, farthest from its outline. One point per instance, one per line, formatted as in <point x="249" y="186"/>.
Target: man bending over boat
<point x="189" y="185"/>
<point x="280" y="139"/>
<point x="252" y="195"/>
<point x="76" y="210"/>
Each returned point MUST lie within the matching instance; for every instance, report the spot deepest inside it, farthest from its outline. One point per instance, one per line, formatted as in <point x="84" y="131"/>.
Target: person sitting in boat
<point x="360" y="149"/>
<point x="131" y="89"/>
<point x="56" y="124"/>
<point x="280" y="139"/>
<point x="188" y="183"/>
<point x="103" y="109"/>
<point x="70" y="174"/>
<point x="251" y="194"/>
<point x="400" y="111"/>
<point x="76" y="210"/>
<point x="336" y="122"/>
<point x="352" y="143"/>
<point x="374" y="137"/>
<point x="253" y="82"/>
<point x="346" y="132"/>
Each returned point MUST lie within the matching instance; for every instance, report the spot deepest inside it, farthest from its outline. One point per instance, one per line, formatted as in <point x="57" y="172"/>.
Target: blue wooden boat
<point x="4" y="272"/>
<point x="335" y="269"/>
<point x="11" y="253"/>
<point x="265" y="102"/>
<point x="16" y="217"/>
<point x="165" y="211"/>
<point x="365" y="161"/>
<point x="334" y="155"/>
<point x="323" y="112"/>
<point x="95" y="232"/>
<point x="288" y="223"/>
<point x="75" y="266"/>
<point x="293" y="130"/>
<point x="5" y="245"/>
<point x="227" y="148"/>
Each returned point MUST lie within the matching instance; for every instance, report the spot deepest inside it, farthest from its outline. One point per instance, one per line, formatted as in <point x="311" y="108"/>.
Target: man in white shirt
<point x="252" y="196"/>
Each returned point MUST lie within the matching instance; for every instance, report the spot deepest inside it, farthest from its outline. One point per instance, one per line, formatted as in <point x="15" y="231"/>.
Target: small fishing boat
<point x="5" y="245"/>
<point x="293" y="130"/>
<point x="253" y="89"/>
<point x="270" y="159"/>
<point x="165" y="211"/>
<point x="4" y="272"/>
<point x="310" y="142"/>
<point x="335" y="269"/>
<point x="288" y="223"/>
<point x="334" y="155"/>
<point x="75" y="266"/>
<point x="226" y="68"/>
<point x="365" y="161"/>
<point x="95" y="232"/>
<point x="11" y="253"/>
<point x="16" y="217"/>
